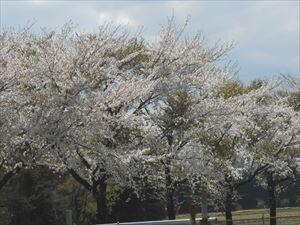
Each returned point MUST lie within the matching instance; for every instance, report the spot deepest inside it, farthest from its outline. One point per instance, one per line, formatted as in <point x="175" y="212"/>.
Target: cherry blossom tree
<point x="189" y="80"/>
<point x="78" y="95"/>
<point x="281" y="152"/>
<point x="233" y="141"/>
<point x="16" y="150"/>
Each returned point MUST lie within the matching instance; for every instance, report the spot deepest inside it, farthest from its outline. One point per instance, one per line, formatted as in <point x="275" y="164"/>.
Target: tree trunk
<point x="99" y="193"/>
<point x="170" y="194"/>
<point x="228" y="207"/>
<point x="193" y="213"/>
<point x="272" y="199"/>
<point x="170" y="205"/>
<point x="204" y="208"/>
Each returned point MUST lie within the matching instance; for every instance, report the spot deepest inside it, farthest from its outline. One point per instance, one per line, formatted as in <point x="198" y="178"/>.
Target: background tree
<point x="281" y="157"/>
<point x="234" y="139"/>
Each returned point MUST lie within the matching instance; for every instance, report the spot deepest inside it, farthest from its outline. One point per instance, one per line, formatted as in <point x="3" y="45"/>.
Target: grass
<point x="252" y="214"/>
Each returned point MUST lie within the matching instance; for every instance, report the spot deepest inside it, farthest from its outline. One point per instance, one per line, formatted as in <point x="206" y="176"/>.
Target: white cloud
<point x="258" y="22"/>
<point x="292" y="26"/>
<point x="38" y="2"/>
<point x="182" y="9"/>
<point x="294" y="62"/>
<point x="116" y="18"/>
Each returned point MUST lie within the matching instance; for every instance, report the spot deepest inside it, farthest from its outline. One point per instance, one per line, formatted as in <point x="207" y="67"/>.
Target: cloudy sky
<point x="266" y="32"/>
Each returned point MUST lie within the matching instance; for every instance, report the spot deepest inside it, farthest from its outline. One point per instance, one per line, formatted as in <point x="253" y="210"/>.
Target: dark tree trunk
<point x="272" y="199"/>
<point x="99" y="193"/>
<point x="170" y="195"/>
<point x="204" y="208"/>
<point x="228" y="206"/>
<point x="170" y="205"/>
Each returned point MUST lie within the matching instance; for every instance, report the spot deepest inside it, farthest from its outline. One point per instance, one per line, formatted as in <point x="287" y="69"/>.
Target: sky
<point x="266" y="33"/>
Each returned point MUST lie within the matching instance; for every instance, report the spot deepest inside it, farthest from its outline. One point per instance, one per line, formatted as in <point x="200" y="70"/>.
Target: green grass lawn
<point x="250" y="214"/>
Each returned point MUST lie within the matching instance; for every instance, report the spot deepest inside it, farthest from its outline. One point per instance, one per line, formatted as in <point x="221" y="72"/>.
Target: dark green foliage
<point x="28" y="199"/>
<point x="177" y="107"/>
<point x="40" y="197"/>
<point x="235" y="88"/>
<point x="130" y="208"/>
<point x="232" y="89"/>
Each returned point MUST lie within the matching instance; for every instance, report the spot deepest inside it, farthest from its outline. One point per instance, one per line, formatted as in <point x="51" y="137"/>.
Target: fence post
<point x="69" y="217"/>
<point x="263" y="219"/>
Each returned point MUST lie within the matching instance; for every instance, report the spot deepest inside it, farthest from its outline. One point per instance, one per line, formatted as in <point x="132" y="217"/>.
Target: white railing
<point x="163" y="222"/>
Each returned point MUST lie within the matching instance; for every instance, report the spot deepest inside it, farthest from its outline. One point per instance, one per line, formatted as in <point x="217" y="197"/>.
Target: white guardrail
<point x="163" y="222"/>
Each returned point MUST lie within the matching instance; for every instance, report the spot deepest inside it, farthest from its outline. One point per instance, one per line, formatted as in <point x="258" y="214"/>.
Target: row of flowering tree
<point x="111" y="107"/>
